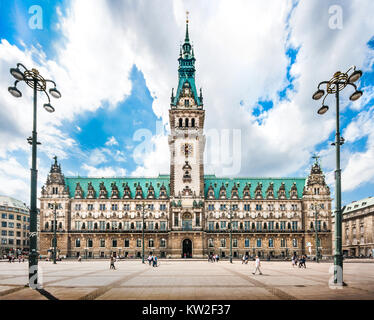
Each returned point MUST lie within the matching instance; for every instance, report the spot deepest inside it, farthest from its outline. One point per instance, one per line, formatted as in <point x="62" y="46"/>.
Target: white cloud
<point x="111" y="142"/>
<point x="103" y="172"/>
<point x="241" y="56"/>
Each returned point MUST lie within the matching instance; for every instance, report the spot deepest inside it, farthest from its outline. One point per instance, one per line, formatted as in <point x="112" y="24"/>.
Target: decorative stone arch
<point x="187" y="247"/>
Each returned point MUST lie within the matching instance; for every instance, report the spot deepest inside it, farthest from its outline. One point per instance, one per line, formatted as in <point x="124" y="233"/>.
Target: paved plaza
<point x="190" y="279"/>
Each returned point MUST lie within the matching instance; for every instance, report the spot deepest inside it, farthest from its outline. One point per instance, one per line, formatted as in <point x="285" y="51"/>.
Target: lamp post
<point x="230" y="217"/>
<point x="54" y="234"/>
<point x="35" y="81"/>
<point x="336" y="84"/>
<point x="143" y="233"/>
<point x="316" y="230"/>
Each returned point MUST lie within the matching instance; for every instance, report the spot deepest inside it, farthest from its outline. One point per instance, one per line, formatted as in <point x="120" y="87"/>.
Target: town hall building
<point x="187" y="213"/>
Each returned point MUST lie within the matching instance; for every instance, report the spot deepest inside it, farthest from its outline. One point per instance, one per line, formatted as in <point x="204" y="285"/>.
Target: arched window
<point x="217" y="226"/>
<point x="271" y="243"/>
<point x="120" y="225"/>
<point x="46" y="225"/>
<point x="324" y="226"/>
<point x="241" y="225"/>
<point x="277" y="226"/>
<point x="294" y="243"/>
<point x="265" y="226"/>
<point x="108" y="226"/>
<point x="311" y="225"/>
<point x="163" y="243"/>
<point x="156" y="226"/>
<point x="210" y="243"/>
<point x="151" y="243"/>
<point x="193" y="122"/>
<point x="132" y="225"/>
<point x="253" y="226"/>
<point x="289" y="225"/>
<point x="186" y="122"/>
<point x="95" y="225"/>
<point x="83" y="225"/>
<point x="180" y="122"/>
<point x="60" y="225"/>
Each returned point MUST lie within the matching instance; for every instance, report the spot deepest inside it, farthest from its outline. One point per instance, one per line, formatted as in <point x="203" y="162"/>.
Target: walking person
<point x="294" y="259"/>
<point x="79" y="259"/>
<point x="243" y="259"/>
<point x="149" y="260"/>
<point x="155" y="261"/>
<point x="112" y="260"/>
<point x="217" y="257"/>
<point x="258" y="265"/>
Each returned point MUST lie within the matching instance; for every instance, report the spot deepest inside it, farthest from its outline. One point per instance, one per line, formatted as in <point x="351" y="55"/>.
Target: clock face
<point x="186" y="149"/>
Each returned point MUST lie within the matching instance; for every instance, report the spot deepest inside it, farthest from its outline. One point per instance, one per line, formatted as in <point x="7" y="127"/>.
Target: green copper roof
<point x="186" y="71"/>
<point x="132" y="183"/>
<point x="241" y="182"/>
<point x="157" y="182"/>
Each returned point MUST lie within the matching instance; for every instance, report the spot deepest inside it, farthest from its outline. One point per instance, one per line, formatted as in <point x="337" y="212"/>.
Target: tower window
<point x="186" y="103"/>
<point x="180" y="122"/>
<point x="193" y="122"/>
<point x="186" y="122"/>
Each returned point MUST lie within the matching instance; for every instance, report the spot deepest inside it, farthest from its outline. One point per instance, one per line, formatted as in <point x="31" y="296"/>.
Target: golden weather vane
<point x="187" y="13"/>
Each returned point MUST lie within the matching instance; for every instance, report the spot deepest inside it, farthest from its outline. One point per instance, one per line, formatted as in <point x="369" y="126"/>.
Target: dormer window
<point x="186" y="102"/>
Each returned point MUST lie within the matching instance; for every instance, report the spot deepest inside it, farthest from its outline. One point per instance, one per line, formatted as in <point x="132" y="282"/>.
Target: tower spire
<point x="187" y="38"/>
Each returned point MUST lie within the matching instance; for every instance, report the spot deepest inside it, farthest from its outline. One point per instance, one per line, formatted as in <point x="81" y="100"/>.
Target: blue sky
<point x="116" y="62"/>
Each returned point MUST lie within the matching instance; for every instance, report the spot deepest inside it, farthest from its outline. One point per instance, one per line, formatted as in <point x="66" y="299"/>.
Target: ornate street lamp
<point x="316" y="207"/>
<point x="54" y="234"/>
<point x="143" y="206"/>
<point x="35" y="81"/>
<point x="336" y="84"/>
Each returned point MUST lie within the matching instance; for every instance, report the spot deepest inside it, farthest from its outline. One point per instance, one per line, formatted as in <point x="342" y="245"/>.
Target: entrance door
<point x="187" y="248"/>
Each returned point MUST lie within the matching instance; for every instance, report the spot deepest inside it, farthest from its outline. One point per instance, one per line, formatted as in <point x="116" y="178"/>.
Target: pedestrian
<point x="246" y="259"/>
<point x="243" y="259"/>
<point x="79" y="259"/>
<point x="112" y="260"/>
<point x="258" y="265"/>
<point x="155" y="261"/>
<point x="217" y="257"/>
<point x="294" y="259"/>
<point x="149" y="260"/>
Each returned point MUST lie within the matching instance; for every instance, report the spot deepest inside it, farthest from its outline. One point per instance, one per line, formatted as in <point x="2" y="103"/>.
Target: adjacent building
<point x="358" y="228"/>
<point x="186" y="213"/>
<point x="14" y="226"/>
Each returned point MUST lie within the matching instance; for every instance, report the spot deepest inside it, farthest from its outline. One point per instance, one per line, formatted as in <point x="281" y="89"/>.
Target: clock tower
<point x="186" y="143"/>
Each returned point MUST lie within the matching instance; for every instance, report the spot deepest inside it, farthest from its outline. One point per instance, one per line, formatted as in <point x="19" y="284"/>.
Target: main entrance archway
<point x="187" y="248"/>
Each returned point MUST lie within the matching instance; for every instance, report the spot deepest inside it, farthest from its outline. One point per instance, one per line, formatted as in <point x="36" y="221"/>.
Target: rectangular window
<point x="138" y="225"/>
<point x="102" y="243"/>
<point x="138" y="207"/>
<point x="294" y="243"/>
<point x="150" y="207"/>
<point x="127" y="243"/>
<point x="235" y="243"/>
<point x="3" y="241"/>
<point x="197" y="222"/>
<point x="210" y="243"/>
<point x="223" y="224"/>
<point x="163" y="225"/>
<point x="138" y="243"/>
<point x="259" y="243"/>
<point x="259" y="225"/>
<point x="3" y="232"/>
<point x="318" y="225"/>
<point x="246" y="243"/>
<point x="211" y="207"/>
<point x="77" y="225"/>
<point x="283" y="225"/>
<point x="271" y="225"/>
<point x="90" y="207"/>
<point x="176" y="221"/>
<point x="294" y="225"/>
<point x="126" y="225"/>
<point x="18" y="226"/>
<point x="258" y="207"/>
<point x="247" y="225"/>
<point x="223" y="243"/>
<point x="235" y="225"/>
<point x="3" y="215"/>
<point x="89" y="225"/>
<point x="11" y="216"/>
<point x="11" y="241"/>
<point x="11" y="233"/>
<point x="102" y="207"/>
<point x="150" y="225"/>
<point x="126" y="207"/>
<point x="77" y="206"/>
<point x="19" y="218"/>
<point x="114" y="225"/>
<point x="114" y="243"/>
<point x="102" y="225"/>
<point x="271" y="243"/>
<point x="162" y="207"/>
<point x="247" y="207"/>
<point x="18" y="233"/>
<point x="77" y="243"/>
<point x="211" y="225"/>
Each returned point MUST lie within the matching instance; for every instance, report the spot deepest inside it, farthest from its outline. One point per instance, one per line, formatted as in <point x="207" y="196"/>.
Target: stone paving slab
<point x="189" y="279"/>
